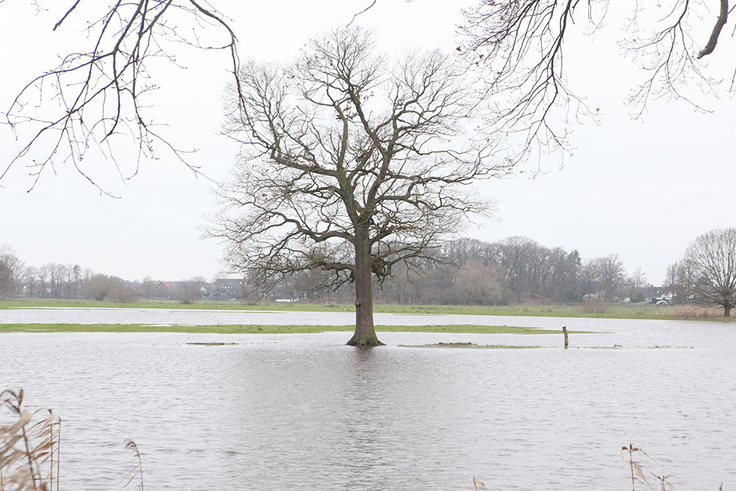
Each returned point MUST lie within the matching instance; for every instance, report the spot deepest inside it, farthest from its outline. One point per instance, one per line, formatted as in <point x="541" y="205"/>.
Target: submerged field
<point x="431" y="410"/>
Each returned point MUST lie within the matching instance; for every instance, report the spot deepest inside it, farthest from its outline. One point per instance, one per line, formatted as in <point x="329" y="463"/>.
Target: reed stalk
<point x="30" y="449"/>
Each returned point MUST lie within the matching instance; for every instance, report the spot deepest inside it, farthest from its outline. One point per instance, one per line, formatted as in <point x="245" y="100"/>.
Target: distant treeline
<point x="72" y="281"/>
<point x="465" y="271"/>
<point x="473" y="272"/>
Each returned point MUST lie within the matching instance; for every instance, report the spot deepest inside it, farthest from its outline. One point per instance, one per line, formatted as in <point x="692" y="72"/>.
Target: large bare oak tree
<point x="351" y="163"/>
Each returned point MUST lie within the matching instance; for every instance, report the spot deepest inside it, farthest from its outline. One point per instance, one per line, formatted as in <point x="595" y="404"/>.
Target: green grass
<point x="261" y="329"/>
<point x="469" y="346"/>
<point x="86" y="304"/>
<point x="615" y="311"/>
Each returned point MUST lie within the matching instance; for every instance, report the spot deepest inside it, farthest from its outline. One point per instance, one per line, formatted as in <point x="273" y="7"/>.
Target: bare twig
<point x="102" y="89"/>
<point x="361" y="12"/>
<point x="519" y="46"/>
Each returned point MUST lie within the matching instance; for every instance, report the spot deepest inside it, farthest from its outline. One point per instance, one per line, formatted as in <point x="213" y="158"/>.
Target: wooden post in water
<point x="564" y="331"/>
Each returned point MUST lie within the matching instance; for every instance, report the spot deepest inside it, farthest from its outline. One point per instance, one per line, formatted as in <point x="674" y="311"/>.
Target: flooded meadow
<point x="303" y="411"/>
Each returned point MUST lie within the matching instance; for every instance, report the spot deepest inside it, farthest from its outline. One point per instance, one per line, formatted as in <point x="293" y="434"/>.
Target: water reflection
<point x="307" y="412"/>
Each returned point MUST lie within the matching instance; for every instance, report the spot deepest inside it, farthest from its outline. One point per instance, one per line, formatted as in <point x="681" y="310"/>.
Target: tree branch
<point x="720" y="22"/>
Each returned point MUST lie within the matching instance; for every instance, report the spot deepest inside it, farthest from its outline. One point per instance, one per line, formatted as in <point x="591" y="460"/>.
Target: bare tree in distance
<point x="521" y="48"/>
<point x="710" y="262"/>
<point x="15" y="267"/>
<point x="477" y="284"/>
<point x="603" y="277"/>
<point x="519" y="256"/>
<point x="100" y="92"/>
<point x="638" y="279"/>
<point x="100" y="286"/>
<point x="671" y="276"/>
<point x="189" y="291"/>
<point x="7" y="282"/>
<point x="351" y="163"/>
<point x="676" y="281"/>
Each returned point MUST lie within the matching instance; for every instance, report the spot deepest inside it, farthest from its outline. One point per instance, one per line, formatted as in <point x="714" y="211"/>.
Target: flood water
<point x="307" y="412"/>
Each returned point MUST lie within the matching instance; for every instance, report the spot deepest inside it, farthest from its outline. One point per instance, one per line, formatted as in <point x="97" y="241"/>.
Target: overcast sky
<point x="642" y="189"/>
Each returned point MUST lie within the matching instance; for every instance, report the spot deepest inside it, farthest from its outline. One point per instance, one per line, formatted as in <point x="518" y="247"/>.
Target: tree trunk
<point x="365" y="332"/>
<point x="727" y="310"/>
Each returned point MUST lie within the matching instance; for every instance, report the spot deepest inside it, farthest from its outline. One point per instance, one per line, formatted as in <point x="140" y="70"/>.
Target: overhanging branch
<point x="720" y="22"/>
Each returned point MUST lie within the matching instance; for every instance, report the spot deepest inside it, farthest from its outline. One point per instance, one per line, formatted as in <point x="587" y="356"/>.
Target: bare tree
<point x="679" y="280"/>
<point x="147" y="286"/>
<point x="58" y="275"/>
<point x="521" y="259"/>
<point x="75" y="280"/>
<point x="43" y="281"/>
<point x="122" y="292"/>
<point x="612" y="275"/>
<point x="674" y="282"/>
<point x="460" y="251"/>
<point x="603" y="276"/>
<point x="477" y="284"/>
<point x="638" y="279"/>
<point x="188" y="292"/>
<point x="351" y="164"/>
<point x="16" y="269"/>
<point x="521" y="46"/>
<point x="52" y="278"/>
<point x="30" y="281"/>
<point x="408" y="283"/>
<point x="711" y="264"/>
<point x="7" y="282"/>
<point x="100" y="286"/>
<point x="100" y="90"/>
<point x="562" y="281"/>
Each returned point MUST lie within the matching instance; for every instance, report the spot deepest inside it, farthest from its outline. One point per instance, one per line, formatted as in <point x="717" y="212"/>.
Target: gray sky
<point x="641" y="189"/>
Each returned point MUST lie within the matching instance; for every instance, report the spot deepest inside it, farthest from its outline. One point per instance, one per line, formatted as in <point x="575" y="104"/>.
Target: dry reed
<point x="596" y="305"/>
<point x="138" y="469"/>
<point x="636" y="459"/>
<point x="687" y="311"/>
<point x="478" y="485"/>
<point x="29" y="448"/>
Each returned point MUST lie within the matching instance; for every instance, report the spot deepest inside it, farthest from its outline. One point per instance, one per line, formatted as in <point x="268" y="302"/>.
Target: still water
<point x="306" y="412"/>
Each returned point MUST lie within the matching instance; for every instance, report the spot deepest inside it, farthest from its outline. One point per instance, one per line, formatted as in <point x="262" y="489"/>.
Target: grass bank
<point x="613" y="311"/>
<point x="261" y="329"/>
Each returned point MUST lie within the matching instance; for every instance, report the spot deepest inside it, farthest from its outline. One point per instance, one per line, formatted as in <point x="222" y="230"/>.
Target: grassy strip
<point x="470" y="346"/>
<point x="615" y="311"/>
<point x="88" y="304"/>
<point x="465" y="345"/>
<point x="261" y="329"/>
